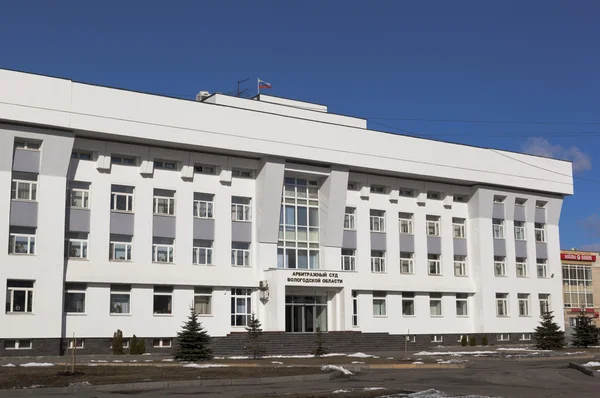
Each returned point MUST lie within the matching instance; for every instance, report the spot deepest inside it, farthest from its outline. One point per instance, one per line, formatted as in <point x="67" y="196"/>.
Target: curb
<point x="583" y="369"/>
<point x="158" y="385"/>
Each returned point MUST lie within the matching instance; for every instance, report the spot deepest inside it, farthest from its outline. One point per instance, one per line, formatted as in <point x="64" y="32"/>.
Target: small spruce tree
<point x="117" y="343"/>
<point x="484" y="340"/>
<point x="320" y="350"/>
<point x="254" y="345"/>
<point x="141" y="346"/>
<point x="133" y="346"/>
<point x="193" y="341"/>
<point x="586" y="333"/>
<point x="472" y="341"/>
<point x="548" y="335"/>
<point x="463" y="340"/>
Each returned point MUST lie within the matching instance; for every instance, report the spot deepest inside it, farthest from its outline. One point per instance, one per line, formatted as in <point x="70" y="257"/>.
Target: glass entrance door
<point x="305" y="314"/>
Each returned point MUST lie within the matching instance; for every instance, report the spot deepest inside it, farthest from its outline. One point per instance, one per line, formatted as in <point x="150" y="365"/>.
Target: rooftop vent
<point x="202" y="95"/>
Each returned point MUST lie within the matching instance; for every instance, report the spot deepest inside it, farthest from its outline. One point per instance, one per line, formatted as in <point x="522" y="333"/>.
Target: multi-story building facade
<point x="581" y="285"/>
<point x="122" y="209"/>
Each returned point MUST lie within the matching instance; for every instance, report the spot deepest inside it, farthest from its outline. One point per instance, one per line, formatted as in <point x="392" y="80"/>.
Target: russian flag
<point x="263" y="84"/>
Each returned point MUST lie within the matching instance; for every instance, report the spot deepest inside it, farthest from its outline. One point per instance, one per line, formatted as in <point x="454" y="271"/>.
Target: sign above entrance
<point x="315" y="278"/>
<point x="578" y="257"/>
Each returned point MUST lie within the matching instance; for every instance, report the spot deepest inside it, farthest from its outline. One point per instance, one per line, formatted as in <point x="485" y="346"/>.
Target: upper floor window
<point x="405" y="220"/>
<point x="202" y="252"/>
<point x="124" y="160"/>
<point x="520" y="201"/>
<point x="521" y="267"/>
<point x="542" y="268"/>
<point x="162" y="252"/>
<point x="459" y="198"/>
<point x="164" y="205"/>
<point x="460" y="265"/>
<point x="377" y="220"/>
<point x="458" y="226"/>
<point x="499" y="199"/>
<point x="378" y="189"/>
<point x="540" y="204"/>
<point x="77" y="248"/>
<point x="120" y="250"/>
<point x="240" y="208"/>
<point x="22" y="242"/>
<point x="406" y="192"/>
<point x="499" y="266"/>
<point x="433" y="225"/>
<point x="19" y="296"/>
<point x="121" y="198"/>
<point x="498" y="228"/>
<point x="349" y="216"/>
<point x="165" y="164"/>
<point x="353" y="186"/>
<point x="377" y="261"/>
<point x="432" y="195"/>
<point x="79" y="198"/>
<point x="406" y="263"/>
<point x="502" y="304"/>
<point x="27" y="145"/>
<point x="203" y="205"/>
<point x="520" y="230"/>
<point x="348" y="259"/>
<point x="240" y="254"/>
<point x="205" y="169"/>
<point x="540" y="232"/>
<point x="24" y="190"/>
<point x="81" y="155"/>
<point x="241" y="173"/>
<point x="434" y="264"/>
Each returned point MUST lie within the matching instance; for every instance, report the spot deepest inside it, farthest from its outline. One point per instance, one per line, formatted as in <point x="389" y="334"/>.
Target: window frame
<point x="29" y="298"/>
<point x="523" y="299"/>
<point x="81" y="243"/>
<point x="380" y="300"/>
<point x="27" y="145"/>
<point x="85" y="198"/>
<point x="436" y="263"/>
<point x="523" y="265"/>
<point x="435" y="223"/>
<point x="406" y="219"/>
<point x="524" y="337"/>
<point x="12" y="244"/>
<point x="503" y="337"/>
<point x="437" y="338"/>
<point x="544" y="267"/>
<point x="378" y="265"/>
<point x="350" y="218"/>
<point x="33" y="190"/>
<point x="237" y="172"/>
<point x="17" y="344"/>
<point x="81" y="155"/>
<point x="243" y="209"/>
<point x="164" y="164"/>
<point x="245" y="256"/>
<point x="245" y="295"/>
<point x="170" y="253"/>
<point x="123" y="160"/>
<point x="355" y="308"/>
<point x="208" y="255"/>
<point x="500" y="266"/>
<point x="119" y="290"/>
<point x="377" y="222"/>
<point x="436" y="298"/>
<point x="209" y="209"/>
<point x="128" y="251"/>
<point x="462" y="298"/>
<point x="129" y="202"/>
<point x="75" y="290"/>
<point x="206" y="169"/>
<point x="161" y="342"/>
<point x="170" y="205"/>
<point x="164" y="293"/>
<point x="520" y="231"/>
<point x="540" y="232"/>
<point x="408" y="298"/>
<point x="498" y="228"/>
<point x="79" y="344"/>
<point x="545" y="300"/>
<point x="203" y="294"/>
<point x="408" y="262"/>
<point x="459" y="226"/>
<point x="461" y="265"/>
<point x="348" y="261"/>
<point x="502" y="298"/>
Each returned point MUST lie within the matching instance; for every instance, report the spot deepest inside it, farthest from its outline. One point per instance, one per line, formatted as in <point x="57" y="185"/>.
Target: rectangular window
<point x="577" y="286"/>
<point x="354" y="308"/>
<point x="525" y="337"/>
<point x="241" y="210"/>
<point x="24" y="190"/>
<point x="520" y="202"/>
<point x="348" y="259"/>
<point x="202" y="300"/>
<point x="544" y="301"/>
<point x="163" y="300"/>
<point x="353" y="186"/>
<point x="498" y="228"/>
<point x="523" y="304"/>
<point x="241" y="306"/>
<point x="499" y="266"/>
<point x="79" y="198"/>
<point x="77" y="248"/>
<point x="434" y="195"/>
<point x="120" y="299"/>
<point x="75" y="298"/>
<point x="17" y="344"/>
<point x="120" y="251"/>
<point x="542" y="268"/>
<point x="123" y="160"/>
<point x="460" y="265"/>
<point x="406" y="263"/>
<point x="432" y="224"/>
<point x="164" y="205"/>
<point x="121" y="201"/>
<point x="202" y="252"/>
<point x="78" y="344"/>
<point x="203" y="205"/>
<point x="435" y="304"/>
<point x="379" y="304"/>
<point x="161" y="343"/>
<point x="165" y="164"/>
<point x="240" y="254"/>
<point x="241" y="173"/>
<point x="462" y="304"/>
<point x="405" y="220"/>
<point x="408" y="304"/>
<point x="34" y="146"/>
<point x="19" y="296"/>
<point x="540" y="232"/>
<point x="349" y="216"/>
<point x="503" y="337"/>
<point x="377" y="219"/>
<point x="540" y="204"/>
<point x="20" y="243"/>
<point x="521" y="267"/>
<point x="406" y="192"/>
<point x="434" y="264"/>
<point x="502" y="304"/>
<point x="210" y="169"/>
<point x="378" y="189"/>
<point x="459" y="198"/>
<point x="499" y="199"/>
<point x="81" y="155"/>
<point x="458" y="226"/>
<point x="437" y="338"/>
<point x="520" y="230"/>
<point x="162" y="252"/>
<point x="377" y="261"/>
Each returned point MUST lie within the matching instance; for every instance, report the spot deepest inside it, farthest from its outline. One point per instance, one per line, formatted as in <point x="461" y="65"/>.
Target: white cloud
<point x="542" y="147"/>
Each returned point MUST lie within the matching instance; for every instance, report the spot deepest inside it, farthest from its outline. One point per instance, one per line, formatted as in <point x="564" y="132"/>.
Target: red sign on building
<point x="578" y="257"/>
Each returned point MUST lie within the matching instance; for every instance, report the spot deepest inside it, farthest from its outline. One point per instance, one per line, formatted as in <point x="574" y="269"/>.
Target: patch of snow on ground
<point x="101" y="361"/>
<point x="591" y="364"/>
<point x="35" y="386"/>
<point x="339" y="368"/>
<point x="361" y="355"/>
<point x="418" y="363"/>
<point x="573" y="353"/>
<point x="147" y="360"/>
<point x="9" y="365"/>
<point x="373" y="388"/>
<point x="92" y="364"/>
<point x="390" y="358"/>
<point x="168" y="360"/>
<point x="521" y="349"/>
<point x="133" y="360"/>
<point x="36" y="364"/>
<point x="277" y="362"/>
<point x="454" y="353"/>
<point x="203" y="366"/>
<point x="441" y="361"/>
<point x="80" y="384"/>
<point x="219" y="357"/>
<point x="357" y="362"/>
<point x="432" y="393"/>
<point x="146" y="353"/>
<point x="340" y="391"/>
<point x="117" y="361"/>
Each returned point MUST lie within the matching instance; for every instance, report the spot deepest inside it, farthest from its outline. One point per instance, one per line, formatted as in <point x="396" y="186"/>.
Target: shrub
<point x="133" y="346"/>
<point x="320" y="349"/>
<point x="141" y="346"/>
<point x="463" y="340"/>
<point x="472" y="341"/>
<point x="484" y="340"/>
<point x="117" y="343"/>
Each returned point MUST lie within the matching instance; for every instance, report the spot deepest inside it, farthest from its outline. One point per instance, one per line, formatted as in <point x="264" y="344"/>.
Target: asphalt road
<point x="496" y="378"/>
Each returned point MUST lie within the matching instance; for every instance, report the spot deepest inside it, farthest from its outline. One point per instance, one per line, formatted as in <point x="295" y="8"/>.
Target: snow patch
<point x="591" y="364"/>
<point x="340" y="391"/>
<point x="357" y="362"/>
<point x="92" y="364"/>
<point x="203" y="366"/>
<point x="418" y="363"/>
<point x="168" y="360"/>
<point x="454" y="353"/>
<point x="80" y="384"/>
<point x="277" y="362"/>
<point x="521" y="349"/>
<point x="133" y="360"/>
<point x="390" y="358"/>
<point x="147" y="360"/>
<point x="441" y="361"/>
<point x="361" y="355"/>
<point x="117" y="361"/>
<point x="338" y="368"/>
<point x="373" y="388"/>
<point x="36" y="364"/>
<point x="146" y="353"/>
<point x="101" y="361"/>
<point x="9" y="365"/>
<point x="35" y="386"/>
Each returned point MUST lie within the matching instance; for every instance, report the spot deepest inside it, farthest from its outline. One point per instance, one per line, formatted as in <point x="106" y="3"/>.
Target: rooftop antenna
<point x="239" y="93"/>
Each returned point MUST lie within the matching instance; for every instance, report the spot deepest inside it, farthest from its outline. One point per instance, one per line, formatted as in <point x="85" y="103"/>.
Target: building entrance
<point x="305" y="314"/>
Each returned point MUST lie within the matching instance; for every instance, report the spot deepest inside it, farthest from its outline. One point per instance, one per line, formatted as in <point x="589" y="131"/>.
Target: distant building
<point x="581" y="284"/>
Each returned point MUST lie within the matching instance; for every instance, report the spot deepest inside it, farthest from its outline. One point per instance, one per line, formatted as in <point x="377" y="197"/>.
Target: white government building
<point x="121" y="209"/>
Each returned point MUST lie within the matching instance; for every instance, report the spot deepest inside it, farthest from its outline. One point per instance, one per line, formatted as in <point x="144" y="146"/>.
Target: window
<point x="240" y="254"/>
<point x="542" y="268"/>
<point x="298" y="244"/>
<point x="499" y="266"/>
<point x="19" y="296"/>
<point x="433" y="225"/>
<point x="540" y="232"/>
<point x="458" y="226"/>
<point x="24" y="190"/>
<point x="202" y="252"/>
<point x="406" y="263"/>
<point x="161" y="343"/>
<point x="521" y="267"/>
<point x="77" y="248"/>
<point x="240" y="209"/>
<point x="35" y="146"/>
<point x="17" y="344"/>
<point x="22" y="243"/>
<point x="523" y="304"/>
<point x="520" y="230"/>
<point x="378" y="189"/>
<point x="498" y="228"/>
<point x="462" y="304"/>
<point x="435" y="304"/>
<point x="79" y="198"/>
<point x="434" y="195"/>
<point x="437" y="338"/>
<point x="210" y="169"/>
<point x="499" y="199"/>
<point x="164" y="205"/>
<point x="540" y="204"/>
<point x="460" y="265"/>
<point x="202" y="300"/>
<point x="377" y="261"/>
<point x="81" y="155"/>
<point x="406" y="192"/>
<point x="77" y="343"/>
<point x="123" y="160"/>
<point x="577" y="286"/>
<point x="379" y="301"/>
<point x="120" y="299"/>
<point x="120" y="251"/>
<point x="411" y="338"/>
<point x="525" y="337"/>
<point x="163" y="300"/>
<point x="348" y="259"/>
<point x="434" y="265"/>
<point x="405" y="221"/>
<point x="162" y="252"/>
<point x="502" y="304"/>
<point x="352" y="186"/>
<point x="520" y="201"/>
<point x="241" y="173"/>
<point x="544" y="301"/>
<point x="75" y="298"/>
<point x="459" y="198"/>
<point x="121" y="201"/>
<point x="354" y="308"/>
<point x="503" y="337"/>
<point x="349" y="217"/>
<point x="203" y="205"/>
<point x="165" y="164"/>
<point x="408" y="304"/>
<point x="241" y="306"/>
<point x="377" y="220"/>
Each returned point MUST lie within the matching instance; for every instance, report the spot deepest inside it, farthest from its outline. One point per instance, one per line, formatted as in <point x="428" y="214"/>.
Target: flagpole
<point x="258" y="85"/>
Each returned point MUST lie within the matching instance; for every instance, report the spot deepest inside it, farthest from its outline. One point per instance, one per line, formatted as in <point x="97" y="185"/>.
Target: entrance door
<point x="305" y="314"/>
<point x="309" y="318"/>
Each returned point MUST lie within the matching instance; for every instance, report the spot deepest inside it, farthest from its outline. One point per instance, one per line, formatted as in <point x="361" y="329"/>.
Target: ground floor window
<point x="408" y="304"/>
<point x="202" y="300"/>
<point x="161" y="343"/>
<point x="17" y="344"/>
<point x="354" y="308"/>
<point x="525" y="337"/>
<point x="437" y="338"/>
<point x="77" y="343"/>
<point x="163" y="300"/>
<point x="241" y="306"/>
<point x="379" y="304"/>
<point x="305" y="314"/>
<point x="19" y="296"/>
<point x="75" y="298"/>
<point x="120" y="299"/>
<point x="544" y="300"/>
<point x="435" y="304"/>
<point x="503" y="337"/>
<point x="462" y="308"/>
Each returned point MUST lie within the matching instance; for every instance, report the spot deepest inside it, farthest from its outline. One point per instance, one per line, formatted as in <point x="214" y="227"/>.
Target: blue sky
<point x="388" y="61"/>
